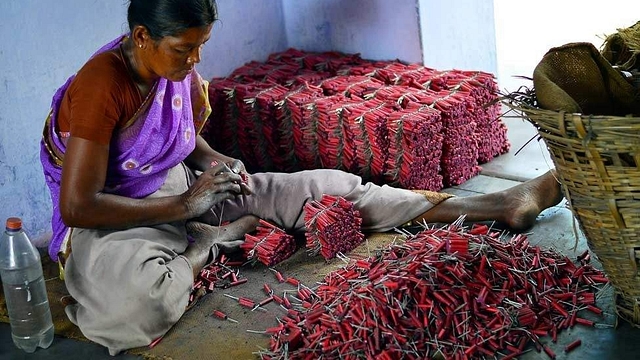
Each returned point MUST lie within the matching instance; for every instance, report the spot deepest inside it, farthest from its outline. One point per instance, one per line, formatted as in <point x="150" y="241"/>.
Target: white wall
<point x="458" y="34"/>
<point x="43" y="43"/>
<point x="247" y="30"/>
<point x="377" y="29"/>
<point x="526" y="30"/>
<point x="440" y="34"/>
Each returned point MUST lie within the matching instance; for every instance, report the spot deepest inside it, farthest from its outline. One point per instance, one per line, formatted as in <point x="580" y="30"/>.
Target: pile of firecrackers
<point x="402" y="124"/>
<point x="450" y="292"/>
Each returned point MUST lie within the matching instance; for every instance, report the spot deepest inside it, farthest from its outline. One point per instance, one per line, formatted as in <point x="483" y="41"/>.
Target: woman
<point x="120" y="151"/>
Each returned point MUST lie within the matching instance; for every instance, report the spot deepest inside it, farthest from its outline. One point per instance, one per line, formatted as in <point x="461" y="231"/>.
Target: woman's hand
<point x="237" y="167"/>
<point x="203" y="157"/>
<point x="215" y="185"/>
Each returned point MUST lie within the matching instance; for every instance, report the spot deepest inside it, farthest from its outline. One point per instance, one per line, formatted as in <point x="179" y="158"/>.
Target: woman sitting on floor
<point x="119" y="153"/>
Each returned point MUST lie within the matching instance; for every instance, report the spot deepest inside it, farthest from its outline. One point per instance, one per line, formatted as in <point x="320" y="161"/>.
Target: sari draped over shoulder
<point x="159" y="136"/>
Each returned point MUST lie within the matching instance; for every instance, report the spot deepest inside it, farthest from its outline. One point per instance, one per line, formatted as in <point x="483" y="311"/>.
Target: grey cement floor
<point x="553" y="229"/>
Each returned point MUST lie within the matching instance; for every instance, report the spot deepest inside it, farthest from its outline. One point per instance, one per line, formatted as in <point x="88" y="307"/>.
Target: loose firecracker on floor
<point x="449" y="292"/>
<point x="219" y="274"/>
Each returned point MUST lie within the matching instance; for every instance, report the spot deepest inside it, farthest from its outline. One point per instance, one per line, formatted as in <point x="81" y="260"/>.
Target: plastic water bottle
<point x="24" y="289"/>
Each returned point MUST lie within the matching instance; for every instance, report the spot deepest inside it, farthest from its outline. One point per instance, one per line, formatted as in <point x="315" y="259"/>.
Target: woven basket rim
<point x="611" y="128"/>
<point x="535" y="110"/>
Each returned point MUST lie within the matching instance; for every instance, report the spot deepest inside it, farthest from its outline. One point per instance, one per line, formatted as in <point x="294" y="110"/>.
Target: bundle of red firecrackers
<point x="449" y="292"/>
<point x="389" y="122"/>
<point x="270" y="245"/>
<point x="332" y="226"/>
<point x="291" y="118"/>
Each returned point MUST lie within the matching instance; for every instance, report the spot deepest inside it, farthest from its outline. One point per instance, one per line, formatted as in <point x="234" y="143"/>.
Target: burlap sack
<point x="576" y="78"/>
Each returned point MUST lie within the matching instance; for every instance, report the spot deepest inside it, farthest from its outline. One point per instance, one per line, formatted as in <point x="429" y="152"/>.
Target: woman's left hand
<point x="237" y="167"/>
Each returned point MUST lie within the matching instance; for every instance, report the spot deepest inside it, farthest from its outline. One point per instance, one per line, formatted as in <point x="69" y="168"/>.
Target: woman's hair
<point x="171" y="17"/>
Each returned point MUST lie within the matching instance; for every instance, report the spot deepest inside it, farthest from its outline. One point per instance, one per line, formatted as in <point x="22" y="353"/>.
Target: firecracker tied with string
<point x="269" y="245"/>
<point x="332" y="226"/>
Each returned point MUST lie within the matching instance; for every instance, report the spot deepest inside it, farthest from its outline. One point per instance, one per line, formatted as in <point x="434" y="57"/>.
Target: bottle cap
<point x="14" y="223"/>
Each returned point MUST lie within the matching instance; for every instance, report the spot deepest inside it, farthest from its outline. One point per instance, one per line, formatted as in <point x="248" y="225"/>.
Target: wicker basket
<point x="598" y="161"/>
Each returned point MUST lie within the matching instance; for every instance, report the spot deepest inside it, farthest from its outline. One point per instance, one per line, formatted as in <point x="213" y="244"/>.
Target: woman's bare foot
<point x="518" y="207"/>
<point x="211" y="240"/>
<point x="224" y="234"/>
<point x="526" y="201"/>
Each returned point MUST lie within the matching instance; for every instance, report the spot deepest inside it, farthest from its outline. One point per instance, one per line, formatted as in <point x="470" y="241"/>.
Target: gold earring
<point x="140" y="46"/>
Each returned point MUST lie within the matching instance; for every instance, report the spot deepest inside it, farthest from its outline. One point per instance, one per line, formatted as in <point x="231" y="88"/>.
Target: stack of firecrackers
<point x="290" y="114"/>
<point x="257" y="124"/>
<point x="270" y="245"/>
<point x="271" y="128"/>
<point x="332" y="228"/>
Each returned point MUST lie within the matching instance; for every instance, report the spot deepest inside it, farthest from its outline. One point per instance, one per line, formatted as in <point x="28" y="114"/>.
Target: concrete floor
<point x="225" y="340"/>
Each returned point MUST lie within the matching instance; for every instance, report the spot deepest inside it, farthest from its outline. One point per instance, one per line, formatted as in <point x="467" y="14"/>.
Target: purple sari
<point x="159" y="136"/>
